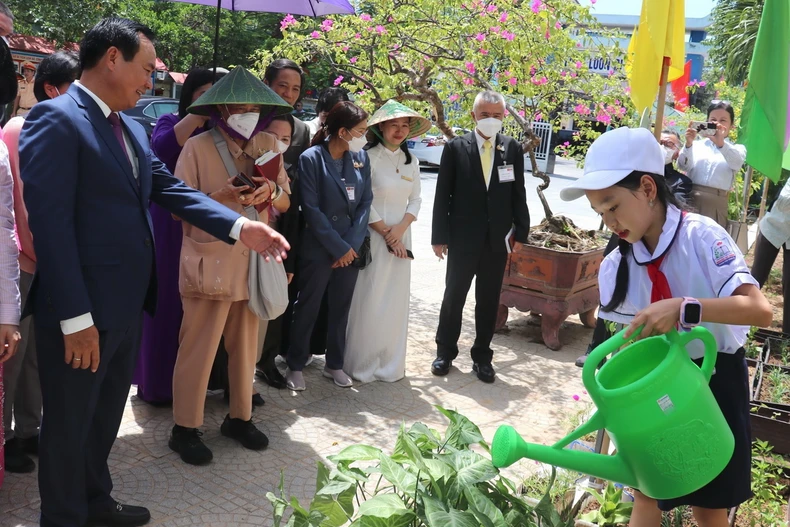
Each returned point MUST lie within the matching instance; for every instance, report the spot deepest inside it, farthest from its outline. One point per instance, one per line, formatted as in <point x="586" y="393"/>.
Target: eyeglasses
<point x="720" y="101"/>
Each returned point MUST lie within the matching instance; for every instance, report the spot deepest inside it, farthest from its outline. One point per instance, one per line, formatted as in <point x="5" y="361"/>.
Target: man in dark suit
<point x="480" y="195"/>
<point x="88" y="177"/>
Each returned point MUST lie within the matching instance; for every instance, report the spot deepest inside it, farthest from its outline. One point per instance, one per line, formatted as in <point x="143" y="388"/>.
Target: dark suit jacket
<point x="89" y="216"/>
<point x="334" y="224"/>
<point x="300" y="141"/>
<point x="292" y="221"/>
<point x="466" y="215"/>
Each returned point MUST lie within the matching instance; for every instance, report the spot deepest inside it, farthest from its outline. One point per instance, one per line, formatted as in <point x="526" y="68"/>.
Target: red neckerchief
<point x="661" y="290"/>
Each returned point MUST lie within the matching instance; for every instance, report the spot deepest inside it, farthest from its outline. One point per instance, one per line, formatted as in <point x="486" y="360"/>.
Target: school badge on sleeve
<point x="722" y="252"/>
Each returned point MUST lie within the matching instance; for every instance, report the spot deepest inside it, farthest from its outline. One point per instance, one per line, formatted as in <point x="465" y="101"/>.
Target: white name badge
<point x="350" y="192"/>
<point x="506" y="174"/>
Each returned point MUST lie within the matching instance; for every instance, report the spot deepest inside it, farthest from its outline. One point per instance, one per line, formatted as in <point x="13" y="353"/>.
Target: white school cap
<point x="613" y="156"/>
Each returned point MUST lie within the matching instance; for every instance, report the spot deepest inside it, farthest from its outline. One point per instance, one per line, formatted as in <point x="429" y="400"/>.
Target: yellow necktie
<point x="485" y="159"/>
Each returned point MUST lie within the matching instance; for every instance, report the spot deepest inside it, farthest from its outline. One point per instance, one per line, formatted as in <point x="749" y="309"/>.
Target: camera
<point x="705" y="129"/>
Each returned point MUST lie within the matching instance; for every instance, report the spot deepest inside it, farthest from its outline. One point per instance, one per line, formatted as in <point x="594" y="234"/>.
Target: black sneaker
<point x="16" y="461"/>
<point x="187" y="442"/>
<point x="29" y="445"/>
<point x="244" y="432"/>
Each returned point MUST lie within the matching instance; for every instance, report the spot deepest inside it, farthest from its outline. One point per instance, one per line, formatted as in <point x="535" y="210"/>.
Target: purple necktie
<point x="115" y="122"/>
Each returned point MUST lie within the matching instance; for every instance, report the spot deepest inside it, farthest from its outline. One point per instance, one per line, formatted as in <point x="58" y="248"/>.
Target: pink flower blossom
<point x="574" y="74"/>
<point x="345" y="48"/>
<point x="380" y="30"/>
<point x="578" y="44"/>
<point x="468" y="81"/>
<point x="547" y="35"/>
<point x="483" y="51"/>
<point x="513" y="81"/>
<point x="558" y="25"/>
<point x="470" y="67"/>
<point x="581" y="109"/>
<point x="357" y="36"/>
<point x="390" y="19"/>
<point x="567" y="144"/>
<point x="508" y="35"/>
<point x="538" y="116"/>
<point x="503" y="17"/>
<point x="327" y="24"/>
<point x="315" y="34"/>
<point x="494" y="29"/>
<point x="593" y="2"/>
<point x="353" y="60"/>
<point x="702" y="84"/>
<point x="365" y="17"/>
<point x="563" y="73"/>
<point x="480" y="37"/>
<point x="532" y="71"/>
<point x="521" y="113"/>
<point x="506" y="112"/>
<point x="576" y="397"/>
<point x="578" y="64"/>
<point x="454" y="97"/>
<point x="287" y="22"/>
<point x="604" y="118"/>
<point x="338" y="80"/>
<point x="536" y="6"/>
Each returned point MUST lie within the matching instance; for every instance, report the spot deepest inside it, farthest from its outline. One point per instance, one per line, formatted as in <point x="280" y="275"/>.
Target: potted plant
<point x="612" y="510"/>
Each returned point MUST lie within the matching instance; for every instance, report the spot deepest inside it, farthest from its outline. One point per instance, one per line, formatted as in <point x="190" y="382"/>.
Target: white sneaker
<point x="309" y="360"/>
<point x="295" y="381"/>
<point x="340" y="377"/>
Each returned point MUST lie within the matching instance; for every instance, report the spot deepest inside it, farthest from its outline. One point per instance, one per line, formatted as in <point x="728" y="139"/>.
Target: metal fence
<point x="544" y="131"/>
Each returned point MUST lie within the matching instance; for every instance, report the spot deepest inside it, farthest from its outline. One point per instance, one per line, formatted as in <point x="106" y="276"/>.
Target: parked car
<point x="429" y="147"/>
<point x="149" y="108"/>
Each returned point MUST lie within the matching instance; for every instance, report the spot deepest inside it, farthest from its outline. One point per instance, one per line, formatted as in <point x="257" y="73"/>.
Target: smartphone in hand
<point x="241" y="179"/>
<point x="409" y="254"/>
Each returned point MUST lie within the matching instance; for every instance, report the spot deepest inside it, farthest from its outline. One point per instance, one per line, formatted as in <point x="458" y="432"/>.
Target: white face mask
<point x="243" y="123"/>
<point x="357" y="143"/>
<point x="281" y="147"/>
<point x="489" y="126"/>
<point x="669" y="155"/>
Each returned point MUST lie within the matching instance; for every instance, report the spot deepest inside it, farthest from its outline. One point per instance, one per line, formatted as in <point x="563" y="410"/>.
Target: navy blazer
<point x="89" y="216"/>
<point x="334" y="224"/>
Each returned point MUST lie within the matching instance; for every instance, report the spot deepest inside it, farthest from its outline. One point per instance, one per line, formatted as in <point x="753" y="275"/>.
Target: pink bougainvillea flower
<point x="574" y="74"/>
<point x="287" y="22"/>
<point x="503" y="17"/>
<point x="563" y="73"/>
<point x="494" y="29"/>
<point x="345" y="48"/>
<point x="538" y="116"/>
<point x="380" y="30"/>
<point x="566" y="144"/>
<point x="578" y="44"/>
<point x="604" y="118"/>
<point x="513" y="81"/>
<point x="470" y="67"/>
<point x="702" y="84"/>
<point x="521" y="113"/>
<point x="365" y="17"/>
<point x="558" y="25"/>
<point x="315" y="34"/>
<point x="468" y="81"/>
<point x="390" y="19"/>
<point x="576" y="397"/>
<point x="357" y="36"/>
<point x="508" y="35"/>
<point x="454" y="97"/>
<point x="536" y="6"/>
<point x="578" y="64"/>
<point x="480" y="37"/>
<point x="338" y="80"/>
<point x="581" y="109"/>
<point x="483" y="51"/>
<point x="327" y="24"/>
<point x="353" y="60"/>
<point x="532" y="71"/>
<point x="547" y="35"/>
<point x="492" y="8"/>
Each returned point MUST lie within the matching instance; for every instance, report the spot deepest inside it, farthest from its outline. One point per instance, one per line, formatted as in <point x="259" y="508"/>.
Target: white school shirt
<point x="775" y="226"/>
<point x="701" y="261"/>
<point x="708" y="165"/>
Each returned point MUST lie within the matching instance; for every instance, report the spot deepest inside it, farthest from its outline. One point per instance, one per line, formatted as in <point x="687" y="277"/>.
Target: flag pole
<point x="763" y="201"/>
<point x="662" y="98"/>
<point x="747" y="187"/>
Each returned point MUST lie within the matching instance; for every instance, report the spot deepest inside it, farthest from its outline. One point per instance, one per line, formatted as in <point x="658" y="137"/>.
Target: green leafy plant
<point x="428" y="480"/>
<point x="754" y="350"/>
<point x="778" y="386"/>
<point x="676" y="517"/>
<point x="765" y="508"/>
<point x="612" y="510"/>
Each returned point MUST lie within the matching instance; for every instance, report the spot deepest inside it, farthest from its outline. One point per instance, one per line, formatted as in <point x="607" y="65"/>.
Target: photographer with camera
<point x="712" y="162"/>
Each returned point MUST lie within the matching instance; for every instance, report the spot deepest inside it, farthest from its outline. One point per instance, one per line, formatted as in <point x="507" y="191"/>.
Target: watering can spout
<point x="508" y="447"/>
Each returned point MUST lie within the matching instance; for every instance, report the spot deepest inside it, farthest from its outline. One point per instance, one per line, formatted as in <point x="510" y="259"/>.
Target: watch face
<point x="692" y="314"/>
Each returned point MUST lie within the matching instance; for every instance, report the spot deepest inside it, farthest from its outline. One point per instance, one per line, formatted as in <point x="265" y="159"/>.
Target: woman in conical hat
<point x="376" y="351"/>
<point x="213" y="276"/>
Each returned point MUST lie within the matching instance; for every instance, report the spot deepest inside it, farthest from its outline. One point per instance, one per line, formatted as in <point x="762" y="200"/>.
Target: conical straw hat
<point x="391" y="109"/>
<point x="239" y="87"/>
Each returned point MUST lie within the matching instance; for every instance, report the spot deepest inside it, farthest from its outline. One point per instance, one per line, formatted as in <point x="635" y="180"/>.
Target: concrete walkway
<point x="534" y="391"/>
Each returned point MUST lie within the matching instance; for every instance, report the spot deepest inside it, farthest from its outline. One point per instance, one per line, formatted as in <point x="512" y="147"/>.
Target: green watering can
<point x="670" y="434"/>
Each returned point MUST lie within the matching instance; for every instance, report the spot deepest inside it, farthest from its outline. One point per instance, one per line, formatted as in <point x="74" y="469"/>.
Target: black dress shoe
<point x="485" y="372"/>
<point x="29" y="445"/>
<point x="244" y="432"/>
<point x="16" y="461"/>
<point x="441" y="366"/>
<point x="187" y="442"/>
<point x="271" y="376"/>
<point x="257" y="400"/>
<point x="120" y="516"/>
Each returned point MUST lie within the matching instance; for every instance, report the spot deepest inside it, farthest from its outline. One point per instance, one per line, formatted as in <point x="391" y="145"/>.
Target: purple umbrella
<point x="294" y="7"/>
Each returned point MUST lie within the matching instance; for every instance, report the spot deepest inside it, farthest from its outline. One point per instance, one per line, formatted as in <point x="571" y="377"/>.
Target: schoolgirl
<point x="675" y="269"/>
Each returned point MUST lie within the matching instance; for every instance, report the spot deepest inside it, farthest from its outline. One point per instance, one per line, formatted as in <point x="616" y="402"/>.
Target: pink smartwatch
<point x="690" y="313"/>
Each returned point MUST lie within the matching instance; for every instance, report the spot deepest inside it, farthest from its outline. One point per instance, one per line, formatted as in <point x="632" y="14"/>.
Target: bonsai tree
<point x="436" y="54"/>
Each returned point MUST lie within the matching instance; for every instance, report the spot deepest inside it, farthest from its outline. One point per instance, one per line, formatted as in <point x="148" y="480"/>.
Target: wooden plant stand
<point x="553" y="284"/>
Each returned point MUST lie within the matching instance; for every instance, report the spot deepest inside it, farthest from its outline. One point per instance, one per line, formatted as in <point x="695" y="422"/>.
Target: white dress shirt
<point x="708" y="165"/>
<point x="10" y="299"/>
<point x="82" y="322"/>
<point x="775" y="225"/>
<point x="480" y="140"/>
<point x="701" y="261"/>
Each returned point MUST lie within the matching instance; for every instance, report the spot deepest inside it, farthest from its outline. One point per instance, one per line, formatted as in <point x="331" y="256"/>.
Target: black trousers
<point x="488" y="267"/>
<point x="82" y="415"/>
<point x="764" y="257"/>
<point x="318" y="280"/>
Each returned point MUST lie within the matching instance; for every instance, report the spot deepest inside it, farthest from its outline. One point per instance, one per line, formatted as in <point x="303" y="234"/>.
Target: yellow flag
<point x="661" y="33"/>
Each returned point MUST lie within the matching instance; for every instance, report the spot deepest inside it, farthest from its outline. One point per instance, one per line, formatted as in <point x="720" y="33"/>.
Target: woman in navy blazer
<point x="335" y="194"/>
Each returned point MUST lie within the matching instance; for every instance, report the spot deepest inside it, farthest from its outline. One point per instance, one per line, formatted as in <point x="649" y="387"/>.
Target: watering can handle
<point x="711" y="348"/>
<point x="605" y="349"/>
